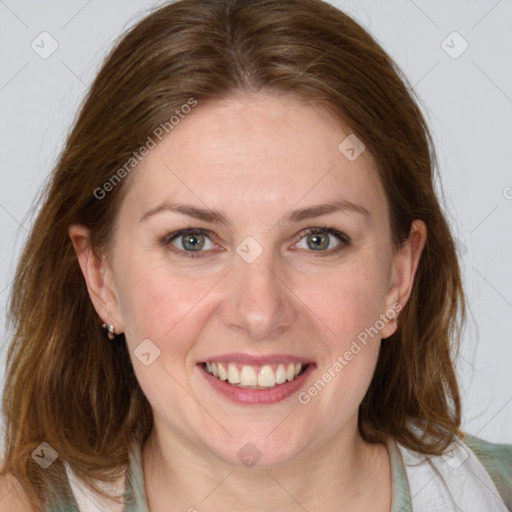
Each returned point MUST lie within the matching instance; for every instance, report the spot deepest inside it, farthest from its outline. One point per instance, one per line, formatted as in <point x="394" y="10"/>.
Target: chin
<point x="259" y="451"/>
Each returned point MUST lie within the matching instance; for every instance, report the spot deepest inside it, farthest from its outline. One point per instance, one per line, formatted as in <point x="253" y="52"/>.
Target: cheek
<point x="163" y="307"/>
<point x="348" y="303"/>
<point x="347" y="300"/>
<point x="159" y="302"/>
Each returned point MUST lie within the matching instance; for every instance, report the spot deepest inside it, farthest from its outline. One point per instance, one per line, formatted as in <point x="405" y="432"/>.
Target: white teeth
<point x="248" y="376"/>
<point x="233" y="374"/>
<point x="280" y="374"/>
<point x="266" y="377"/>
<point x="223" y="374"/>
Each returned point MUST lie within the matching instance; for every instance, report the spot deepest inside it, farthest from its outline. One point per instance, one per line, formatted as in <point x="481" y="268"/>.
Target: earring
<point x="391" y="318"/>
<point x="111" y="333"/>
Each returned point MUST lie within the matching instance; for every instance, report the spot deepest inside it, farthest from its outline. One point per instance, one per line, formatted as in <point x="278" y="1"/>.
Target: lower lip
<point x="273" y="395"/>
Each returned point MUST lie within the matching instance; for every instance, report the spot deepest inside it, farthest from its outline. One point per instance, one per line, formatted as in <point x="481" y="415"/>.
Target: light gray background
<point x="468" y="101"/>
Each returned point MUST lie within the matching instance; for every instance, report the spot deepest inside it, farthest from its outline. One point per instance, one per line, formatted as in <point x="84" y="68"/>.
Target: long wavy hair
<point x="65" y="383"/>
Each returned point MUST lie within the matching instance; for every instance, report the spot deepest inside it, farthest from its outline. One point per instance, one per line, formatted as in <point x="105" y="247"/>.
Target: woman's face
<point x="254" y="294"/>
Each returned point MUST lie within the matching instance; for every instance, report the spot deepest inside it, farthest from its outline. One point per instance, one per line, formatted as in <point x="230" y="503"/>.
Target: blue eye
<point x="318" y="239"/>
<point x="191" y="242"/>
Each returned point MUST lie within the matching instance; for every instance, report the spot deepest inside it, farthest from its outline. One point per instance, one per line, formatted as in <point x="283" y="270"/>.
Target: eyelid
<point x="167" y="240"/>
<point x="342" y="237"/>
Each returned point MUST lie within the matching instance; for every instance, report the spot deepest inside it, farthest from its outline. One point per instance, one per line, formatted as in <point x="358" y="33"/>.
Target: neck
<point x="344" y="474"/>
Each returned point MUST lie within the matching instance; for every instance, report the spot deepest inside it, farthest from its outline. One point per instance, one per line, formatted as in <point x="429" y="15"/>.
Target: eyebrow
<point x="216" y="217"/>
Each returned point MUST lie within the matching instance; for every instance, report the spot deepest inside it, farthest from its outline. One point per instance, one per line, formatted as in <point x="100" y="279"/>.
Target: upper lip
<point x="252" y="359"/>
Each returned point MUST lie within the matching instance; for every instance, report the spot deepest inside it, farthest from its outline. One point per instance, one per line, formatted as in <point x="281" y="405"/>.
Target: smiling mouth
<point x="253" y="376"/>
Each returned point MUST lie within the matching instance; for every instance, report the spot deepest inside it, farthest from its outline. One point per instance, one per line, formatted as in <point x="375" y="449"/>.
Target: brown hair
<point x="66" y="384"/>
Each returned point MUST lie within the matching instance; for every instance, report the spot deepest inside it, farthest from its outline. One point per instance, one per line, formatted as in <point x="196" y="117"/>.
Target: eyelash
<point x="343" y="238"/>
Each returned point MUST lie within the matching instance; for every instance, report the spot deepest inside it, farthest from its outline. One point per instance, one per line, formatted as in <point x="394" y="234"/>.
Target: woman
<point x="240" y="292"/>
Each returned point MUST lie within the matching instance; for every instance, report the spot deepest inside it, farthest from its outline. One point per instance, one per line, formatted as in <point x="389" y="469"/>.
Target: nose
<point x="260" y="303"/>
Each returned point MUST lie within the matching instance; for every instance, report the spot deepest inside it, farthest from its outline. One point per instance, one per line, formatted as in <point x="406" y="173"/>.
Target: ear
<point x="405" y="264"/>
<point x="98" y="277"/>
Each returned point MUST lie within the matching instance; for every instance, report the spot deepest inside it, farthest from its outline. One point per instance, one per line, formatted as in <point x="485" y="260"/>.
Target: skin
<point x="255" y="158"/>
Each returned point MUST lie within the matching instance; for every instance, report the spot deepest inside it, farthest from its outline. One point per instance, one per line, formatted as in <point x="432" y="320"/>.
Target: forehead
<point x="273" y="151"/>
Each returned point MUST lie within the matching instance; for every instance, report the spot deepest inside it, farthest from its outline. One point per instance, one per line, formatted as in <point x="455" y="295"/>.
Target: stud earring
<point x="111" y="333"/>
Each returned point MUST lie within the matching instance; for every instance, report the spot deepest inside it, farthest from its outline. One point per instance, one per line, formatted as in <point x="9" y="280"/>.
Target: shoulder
<point x="497" y="460"/>
<point x="13" y="498"/>
<point x="498" y="457"/>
